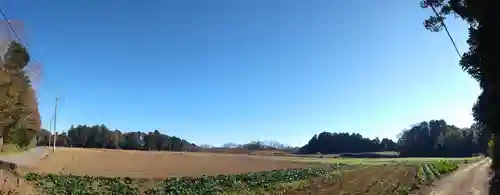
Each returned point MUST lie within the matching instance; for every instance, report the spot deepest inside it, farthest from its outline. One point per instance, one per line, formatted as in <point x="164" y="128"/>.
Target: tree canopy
<point x="435" y="138"/>
<point x="19" y="117"/>
<point x="481" y="61"/>
<point x="425" y="139"/>
<point x="99" y="136"/>
<point x="334" y="143"/>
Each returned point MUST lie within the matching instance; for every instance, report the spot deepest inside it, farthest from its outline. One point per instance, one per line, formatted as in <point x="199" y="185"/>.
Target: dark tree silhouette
<point x="335" y="143"/>
<point x="481" y="61"/>
<point x="99" y="136"/>
<point x="426" y="139"/>
<point x="438" y="139"/>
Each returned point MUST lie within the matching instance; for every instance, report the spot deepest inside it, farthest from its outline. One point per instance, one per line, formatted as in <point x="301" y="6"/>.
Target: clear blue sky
<point x="234" y="71"/>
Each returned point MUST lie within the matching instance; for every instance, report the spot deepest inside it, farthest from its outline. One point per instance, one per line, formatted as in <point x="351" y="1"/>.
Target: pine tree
<point x="19" y="117"/>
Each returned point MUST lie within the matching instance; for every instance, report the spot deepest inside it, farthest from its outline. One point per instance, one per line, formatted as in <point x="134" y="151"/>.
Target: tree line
<point x="335" y="143"/>
<point x="19" y="116"/>
<point x="99" y="136"/>
<point x="436" y="138"/>
<point x="426" y="139"/>
<point x="261" y="145"/>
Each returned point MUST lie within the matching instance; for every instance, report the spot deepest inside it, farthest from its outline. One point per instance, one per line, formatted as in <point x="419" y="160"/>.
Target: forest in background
<point x="99" y="136"/>
<point x="433" y="138"/>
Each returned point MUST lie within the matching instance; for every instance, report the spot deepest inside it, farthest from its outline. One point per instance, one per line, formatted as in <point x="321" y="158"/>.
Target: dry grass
<point x="144" y="164"/>
<point x="11" y="149"/>
<point x="13" y="184"/>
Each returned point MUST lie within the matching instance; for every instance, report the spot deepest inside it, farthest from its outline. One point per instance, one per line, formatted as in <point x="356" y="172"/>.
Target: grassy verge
<point x="11" y="149"/>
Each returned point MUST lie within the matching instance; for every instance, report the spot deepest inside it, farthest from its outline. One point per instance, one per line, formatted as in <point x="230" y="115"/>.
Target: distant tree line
<point x="436" y="138"/>
<point x="335" y="143"/>
<point x="253" y="147"/>
<point x="429" y="138"/>
<point x="432" y="138"/>
<point x="99" y="136"/>
<point x="262" y="145"/>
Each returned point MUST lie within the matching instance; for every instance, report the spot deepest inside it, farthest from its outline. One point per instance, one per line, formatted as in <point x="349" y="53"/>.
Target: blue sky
<point x="235" y="71"/>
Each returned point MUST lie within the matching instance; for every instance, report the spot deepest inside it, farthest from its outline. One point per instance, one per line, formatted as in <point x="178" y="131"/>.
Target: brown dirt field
<point x="144" y="164"/>
<point x="11" y="183"/>
<point x="370" y="180"/>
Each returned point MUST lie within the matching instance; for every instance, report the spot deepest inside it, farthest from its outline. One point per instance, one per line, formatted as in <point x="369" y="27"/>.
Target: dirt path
<point x="27" y="158"/>
<point x="471" y="180"/>
<point x="10" y="180"/>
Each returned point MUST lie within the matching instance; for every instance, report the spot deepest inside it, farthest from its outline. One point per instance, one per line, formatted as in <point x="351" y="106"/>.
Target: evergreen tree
<point x="19" y="119"/>
<point x="99" y="136"/>
<point x="481" y="61"/>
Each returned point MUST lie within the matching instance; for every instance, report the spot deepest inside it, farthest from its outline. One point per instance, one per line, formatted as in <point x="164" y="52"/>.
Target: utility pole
<point x="55" y="122"/>
<point x="50" y="129"/>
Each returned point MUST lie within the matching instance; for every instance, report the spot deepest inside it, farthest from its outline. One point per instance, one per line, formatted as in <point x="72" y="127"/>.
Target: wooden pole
<point x="55" y="125"/>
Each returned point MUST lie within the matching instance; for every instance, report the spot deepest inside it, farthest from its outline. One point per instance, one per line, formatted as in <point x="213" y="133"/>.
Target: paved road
<point x="26" y="158"/>
<point x="472" y="180"/>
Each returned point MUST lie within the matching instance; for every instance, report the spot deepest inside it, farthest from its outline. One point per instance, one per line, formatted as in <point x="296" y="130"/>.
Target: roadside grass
<point x="11" y="149"/>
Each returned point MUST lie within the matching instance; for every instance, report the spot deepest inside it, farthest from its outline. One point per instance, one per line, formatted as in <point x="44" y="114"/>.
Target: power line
<point x="15" y="33"/>
<point x="52" y="125"/>
<point x="12" y="28"/>
<point x="446" y="29"/>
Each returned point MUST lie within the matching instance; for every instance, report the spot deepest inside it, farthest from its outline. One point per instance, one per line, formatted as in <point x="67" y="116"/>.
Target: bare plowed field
<point x="144" y="164"/>
<point x="369" y="180"/>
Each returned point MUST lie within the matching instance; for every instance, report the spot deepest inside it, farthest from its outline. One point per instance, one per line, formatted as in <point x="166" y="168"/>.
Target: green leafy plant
<point x="429" y="172"/>
<point x="53" y="184"/>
